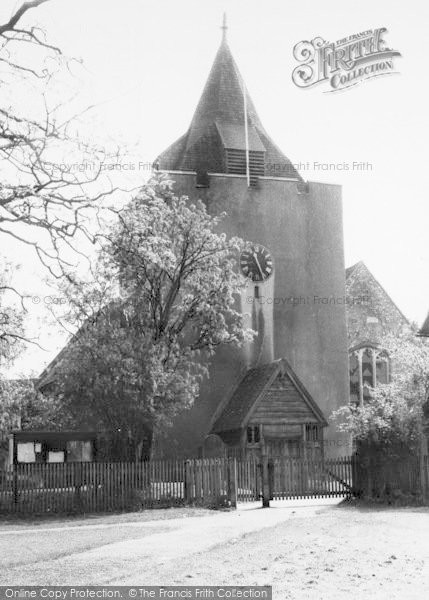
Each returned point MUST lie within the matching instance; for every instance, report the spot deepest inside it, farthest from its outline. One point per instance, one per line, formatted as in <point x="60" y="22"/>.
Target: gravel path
<point x="307" y="550"/>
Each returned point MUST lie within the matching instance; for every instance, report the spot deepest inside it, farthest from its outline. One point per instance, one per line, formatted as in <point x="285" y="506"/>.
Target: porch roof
<point x="236" y="411"/>
<point x="28" y="435"/>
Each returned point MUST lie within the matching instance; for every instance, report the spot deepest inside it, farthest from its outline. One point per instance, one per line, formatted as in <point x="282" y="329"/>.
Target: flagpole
<point x="246" y="134"/>
<point x="243" y="89"/>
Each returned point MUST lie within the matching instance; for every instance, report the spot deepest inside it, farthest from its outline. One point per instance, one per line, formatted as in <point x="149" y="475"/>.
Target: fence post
<point x="265" y="482"/>
<point x="354" y="478"/>
<point x="422" y="469"/>
<point x="187" y="482"/>
<point x="425" y="478"/>
<point x="15" y="472"/>
<point x="232" y="481"/>
<point x="77" y="484"/>
<point x="15" y="484"/>
<point x="271" y="475"/>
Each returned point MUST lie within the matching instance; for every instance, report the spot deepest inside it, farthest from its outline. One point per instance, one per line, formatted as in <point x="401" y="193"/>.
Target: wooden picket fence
<point x="216" y="482"/>
<point x="98" y="487"/>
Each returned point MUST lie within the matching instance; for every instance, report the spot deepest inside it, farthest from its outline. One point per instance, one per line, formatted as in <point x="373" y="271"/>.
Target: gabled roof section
<point x="361" y="271"/>
<point x="351" y="270"/>
<point x="237" y="410"/>
<point x="219" y="121"/>
<point x="233" y="136"/>
<point x="50" y="372"/>
<point x="49" y="375"/>
<point x="424" y="331"/>
<point x="366" y="344"/>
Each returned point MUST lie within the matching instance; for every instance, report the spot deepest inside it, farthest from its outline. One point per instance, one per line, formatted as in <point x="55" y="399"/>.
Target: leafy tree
<point x="22" y="406"/>
<point x="392" y="420"/>
<point x="11" y="318"/>
<point x="162" y="300"/>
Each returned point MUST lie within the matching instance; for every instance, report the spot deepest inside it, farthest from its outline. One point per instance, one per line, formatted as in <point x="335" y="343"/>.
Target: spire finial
<point x="224" y="27"/>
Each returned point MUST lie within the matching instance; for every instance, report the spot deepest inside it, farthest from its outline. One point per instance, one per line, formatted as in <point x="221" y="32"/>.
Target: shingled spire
<point x="216" y="136"/>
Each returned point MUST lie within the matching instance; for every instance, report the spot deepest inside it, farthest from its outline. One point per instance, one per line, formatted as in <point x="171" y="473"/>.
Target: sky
<point x="145" y="65"/>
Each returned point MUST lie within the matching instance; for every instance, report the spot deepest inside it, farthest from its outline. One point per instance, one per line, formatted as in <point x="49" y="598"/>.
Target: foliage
<point x="163" y="298"/>
<point x="11" y="318"/>
<point x="23" y="407"/>
<point x="394" y="415"/>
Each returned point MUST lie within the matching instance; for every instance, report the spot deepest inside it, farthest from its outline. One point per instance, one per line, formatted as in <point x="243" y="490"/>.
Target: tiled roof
<point x="424" y="331"/>
<point x="49" y="374"/>
<point x="244" y="397"/>
<point x="252" y="387"/>
<point x="219" y="120"/>
<point x="351" y="270"/>
<point x="233" y="136"/>
<point x="361" y="271"/>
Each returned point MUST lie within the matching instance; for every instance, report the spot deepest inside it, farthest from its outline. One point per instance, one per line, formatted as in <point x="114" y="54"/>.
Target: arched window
<point x="369" y="365"/>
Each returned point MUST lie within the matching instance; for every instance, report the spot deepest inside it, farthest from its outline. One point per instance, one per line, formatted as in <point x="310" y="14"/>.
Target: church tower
<point x="296" y="298"/>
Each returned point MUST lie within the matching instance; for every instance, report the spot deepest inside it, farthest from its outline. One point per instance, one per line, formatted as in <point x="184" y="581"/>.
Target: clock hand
<point x="258" y="265"/>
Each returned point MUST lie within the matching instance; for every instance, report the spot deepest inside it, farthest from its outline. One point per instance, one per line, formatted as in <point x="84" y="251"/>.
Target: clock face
<point x="256" y="263"/>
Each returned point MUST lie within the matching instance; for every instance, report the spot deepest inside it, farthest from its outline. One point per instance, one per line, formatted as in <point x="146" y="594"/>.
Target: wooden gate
<point x="294" y="478"/>
<point x="249" y="480"/>
<point x="300" y="478"/>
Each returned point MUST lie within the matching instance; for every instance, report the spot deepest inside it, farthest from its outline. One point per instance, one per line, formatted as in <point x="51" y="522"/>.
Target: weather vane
<point x="224" y="27"/>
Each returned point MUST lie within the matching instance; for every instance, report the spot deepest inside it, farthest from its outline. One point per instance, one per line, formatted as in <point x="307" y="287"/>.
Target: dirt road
<point x="306" y="550"/>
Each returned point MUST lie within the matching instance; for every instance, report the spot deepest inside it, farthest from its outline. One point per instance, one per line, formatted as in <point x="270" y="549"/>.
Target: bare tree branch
<point x="53" y="183"/>
<point x="17" y="16"/>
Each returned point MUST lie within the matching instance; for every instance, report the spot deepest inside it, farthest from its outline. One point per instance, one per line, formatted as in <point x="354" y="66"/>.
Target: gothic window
<point x="312" y="432"/>
<point x="253" y="434"/>
<point x="368" y="366"/>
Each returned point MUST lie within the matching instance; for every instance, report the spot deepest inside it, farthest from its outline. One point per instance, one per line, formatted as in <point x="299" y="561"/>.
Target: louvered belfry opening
<point x="217" y="138"/>
<point x="236" y="164"/>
